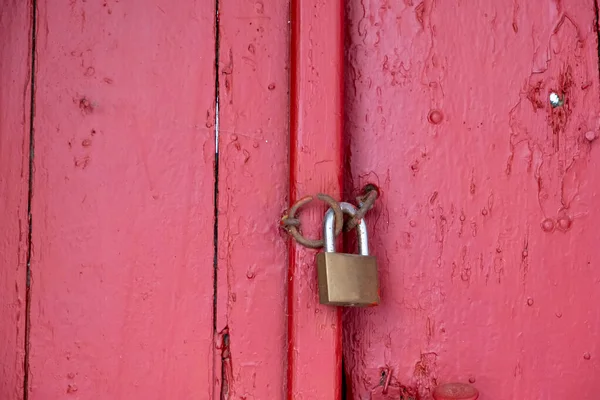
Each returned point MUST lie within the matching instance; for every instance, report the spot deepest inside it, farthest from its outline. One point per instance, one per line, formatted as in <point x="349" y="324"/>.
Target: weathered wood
<point x="486" y="231"/>
<point x="316" y="157"/>
<point x="253" y="189"/>
<point x="122" y="268"/>
<point x="15" y="102"/>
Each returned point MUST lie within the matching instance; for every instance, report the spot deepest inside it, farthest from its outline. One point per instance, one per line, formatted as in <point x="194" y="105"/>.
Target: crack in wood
<point x="29" y="203"/>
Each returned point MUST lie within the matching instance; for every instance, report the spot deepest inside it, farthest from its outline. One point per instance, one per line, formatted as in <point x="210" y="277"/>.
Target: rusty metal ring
<point x="365" y="202"/>
<point x="291" y="223"/>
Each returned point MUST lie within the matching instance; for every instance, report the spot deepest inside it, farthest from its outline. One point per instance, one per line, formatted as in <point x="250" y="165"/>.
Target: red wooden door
<point x="486" y="227"/>
<point x="145" y="164"/>
<point x="123" y="274"/>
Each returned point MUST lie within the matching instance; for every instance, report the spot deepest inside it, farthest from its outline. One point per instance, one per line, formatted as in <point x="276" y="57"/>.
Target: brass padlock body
<point x="347" y="279"/>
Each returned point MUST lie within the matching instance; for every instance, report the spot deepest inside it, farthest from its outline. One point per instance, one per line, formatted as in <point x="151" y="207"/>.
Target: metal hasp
<point x="347" y="279"/>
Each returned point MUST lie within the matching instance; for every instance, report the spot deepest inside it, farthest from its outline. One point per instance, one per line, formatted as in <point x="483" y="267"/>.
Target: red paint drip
<point x="435" y="117"/>
<point x="455" y="391"/>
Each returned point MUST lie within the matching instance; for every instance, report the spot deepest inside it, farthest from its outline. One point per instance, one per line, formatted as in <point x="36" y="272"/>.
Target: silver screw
<point x="555" y="100"/>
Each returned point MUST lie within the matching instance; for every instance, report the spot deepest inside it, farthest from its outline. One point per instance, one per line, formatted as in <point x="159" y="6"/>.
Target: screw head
<point x="555" y="100"/>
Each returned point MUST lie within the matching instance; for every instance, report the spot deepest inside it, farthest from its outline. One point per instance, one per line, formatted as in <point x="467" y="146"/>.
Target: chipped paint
<point x="498" y="279"/>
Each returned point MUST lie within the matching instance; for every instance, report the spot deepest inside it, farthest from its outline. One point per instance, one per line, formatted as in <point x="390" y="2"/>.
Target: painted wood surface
<point x="486" y="231"/>
<point x="253" y="78"/>
<point x="316" y="159"/>
<point x="122" y="265"/>
<point x="15" y="102"/>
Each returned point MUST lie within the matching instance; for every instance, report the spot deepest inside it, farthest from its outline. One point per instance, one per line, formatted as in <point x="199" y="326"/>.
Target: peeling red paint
<point x="498" y="278"/>
<point x="226" y="381"/>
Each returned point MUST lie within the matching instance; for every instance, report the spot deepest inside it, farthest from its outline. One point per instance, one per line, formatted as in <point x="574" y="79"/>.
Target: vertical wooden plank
<point x="15" y="101"/>
<point x="253" y="189"/>
<point x="316" y="154"/>
<point x="486" y="229"/>
<point x="122" y="268"/>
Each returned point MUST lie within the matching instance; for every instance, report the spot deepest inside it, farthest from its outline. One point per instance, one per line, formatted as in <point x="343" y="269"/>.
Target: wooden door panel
<point x="253" y="187"/>
<point x="15" y="112"/>
<point x="486" y="228"/>
<point x="316" y="160"/>
<point x="122" y="277"/>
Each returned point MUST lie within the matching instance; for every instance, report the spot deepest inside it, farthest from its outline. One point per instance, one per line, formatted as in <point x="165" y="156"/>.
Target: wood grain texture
<point x="486" y="228"/>
<point x="15" y="102"/>
<point x="122" y="268"/>
<point x="316" y="154"/>
<point x="253" y="189"/>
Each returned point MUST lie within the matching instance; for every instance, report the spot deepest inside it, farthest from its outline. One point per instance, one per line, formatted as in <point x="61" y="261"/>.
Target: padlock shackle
<point x="329" y="230"/>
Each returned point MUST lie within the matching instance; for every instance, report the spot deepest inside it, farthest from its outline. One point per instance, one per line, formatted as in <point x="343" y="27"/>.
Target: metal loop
<point x="292" y="224"/>
<point x="366" y="202"/>
<point x="328" y="230"/>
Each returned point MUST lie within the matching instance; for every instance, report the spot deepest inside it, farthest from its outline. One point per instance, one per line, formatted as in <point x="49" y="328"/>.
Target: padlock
<point x="347" y="279"/>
